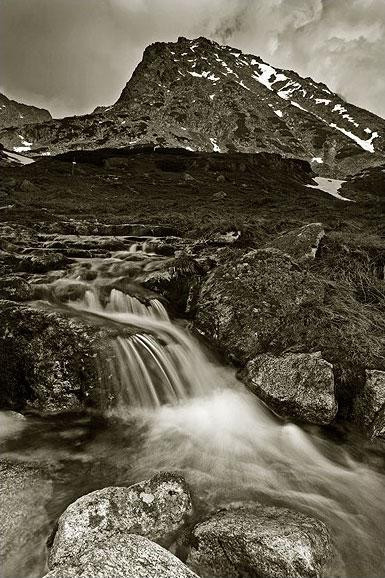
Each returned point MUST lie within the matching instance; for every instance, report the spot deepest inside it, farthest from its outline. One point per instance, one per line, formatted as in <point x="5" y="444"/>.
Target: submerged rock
<point x="256" y="540"/>
<point x="48" y="360"/>
<point x="301" y="244"/>
<point x="369" y="406"/>
<point x="123" y="556"/>
<point x="294" y="385"/>
<point x="156" y="508"/>
<point x="245" y="303"/>
<point x="25" y="490"/>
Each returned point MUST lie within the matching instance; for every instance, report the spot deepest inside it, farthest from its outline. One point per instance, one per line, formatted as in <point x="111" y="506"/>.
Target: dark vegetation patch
<point x="263" y="192"/>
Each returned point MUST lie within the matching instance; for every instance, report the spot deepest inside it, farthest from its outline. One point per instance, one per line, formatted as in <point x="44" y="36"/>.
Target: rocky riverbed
<point x="101" y="390"/>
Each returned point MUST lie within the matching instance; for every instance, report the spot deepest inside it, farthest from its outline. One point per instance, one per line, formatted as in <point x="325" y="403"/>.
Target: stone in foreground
<point x="254" y="541"/>
<point x="123" y="556"/>
<point x="155" y="508"/>
<point x="369" y="406"/>
<point x="294" y="385"/>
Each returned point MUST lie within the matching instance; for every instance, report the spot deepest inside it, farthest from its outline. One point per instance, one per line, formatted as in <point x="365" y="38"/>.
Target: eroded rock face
<point x="155" y="508"/>
<point x="244" y="303"/>
<point x="301" y="244"/>
<point x="369" y="406"/>
<point x="255" y="540"/>
<point x="25" y="490"/>
<point x="123" y="556"/>
<point x="294" y="385"/>
<point x="48" y="361"/>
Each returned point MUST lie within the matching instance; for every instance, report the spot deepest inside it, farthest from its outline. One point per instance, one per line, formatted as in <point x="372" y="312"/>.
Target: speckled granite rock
<point x="253" y="541"/>
<point x="155" y="508"/>
<point x="294" y="385"/>
<point x="123" y="556"/>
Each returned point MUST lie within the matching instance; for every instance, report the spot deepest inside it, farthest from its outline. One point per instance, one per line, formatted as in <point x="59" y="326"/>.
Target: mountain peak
<point x="200" y="95"/>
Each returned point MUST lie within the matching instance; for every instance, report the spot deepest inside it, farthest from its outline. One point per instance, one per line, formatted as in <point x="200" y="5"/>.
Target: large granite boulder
<point x="301" y="244"/>
<point x="156" y="508"/>
<point x="25" y="491"/>
<point x="48" y="360"/>
<point x="251" y="541"/>
<point x="369" y="405"/>
<point x="294" y="385"/>
<point x="123" y="556"/>
<point x="247" y="302"/>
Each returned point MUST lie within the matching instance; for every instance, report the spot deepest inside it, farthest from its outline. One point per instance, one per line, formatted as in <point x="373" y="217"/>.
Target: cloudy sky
<point x="71" y="55"/>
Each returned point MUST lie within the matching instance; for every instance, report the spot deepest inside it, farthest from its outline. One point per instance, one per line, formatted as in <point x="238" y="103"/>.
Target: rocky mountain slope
<point x="15" y="114"/>
<point x="202" y="96"/>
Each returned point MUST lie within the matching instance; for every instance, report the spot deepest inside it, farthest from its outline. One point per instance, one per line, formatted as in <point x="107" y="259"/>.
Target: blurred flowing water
<point x="171" y="405"/>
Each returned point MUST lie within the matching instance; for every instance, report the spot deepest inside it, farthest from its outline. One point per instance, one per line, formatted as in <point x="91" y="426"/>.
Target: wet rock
<point x="156" y="508"/>
<point x="256" y="540"/>
<point x="25" y="490"/>
<point x="48" y="361"/>
<point x="301" y="244"/>
<point x="369" y="405"/>
<point x="15" y="289"/>
<point x="178" y="280"/>
<point x="294" y="385"/>
<point x="247" y="301"/>
<point x="41" y="262"/>
<point x="123" y="556"/>
<point x="36" y="262"/>
<point x="69" y="291"/>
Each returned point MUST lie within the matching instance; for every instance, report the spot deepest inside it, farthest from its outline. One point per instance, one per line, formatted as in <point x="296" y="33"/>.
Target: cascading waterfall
<point x="157" y="365"/>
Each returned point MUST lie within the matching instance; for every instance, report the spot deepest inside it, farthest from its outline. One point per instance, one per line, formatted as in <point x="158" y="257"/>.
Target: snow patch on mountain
<point x="367" y="145"/>
<point x="330" y="186"/>
<point x="17" y="158"/>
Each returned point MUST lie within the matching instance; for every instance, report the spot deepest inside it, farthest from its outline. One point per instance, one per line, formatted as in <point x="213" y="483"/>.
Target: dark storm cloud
<point x="72" y="55"/>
